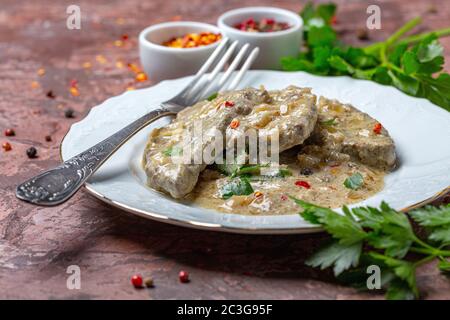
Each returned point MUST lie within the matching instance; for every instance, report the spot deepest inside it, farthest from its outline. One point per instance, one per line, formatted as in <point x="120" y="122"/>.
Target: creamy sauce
<point x="326" y="189"/>
<point x="343" y="144"/>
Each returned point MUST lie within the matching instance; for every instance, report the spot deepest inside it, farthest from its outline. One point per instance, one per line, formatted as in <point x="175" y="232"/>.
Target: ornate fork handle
<point x="56" y="185"/>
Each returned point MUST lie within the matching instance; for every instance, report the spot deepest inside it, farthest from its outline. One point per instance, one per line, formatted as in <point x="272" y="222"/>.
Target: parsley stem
<point x="393" y="67"/>
<point x="383" y="56"/>
<point x="424" y="260"/>
<point x="392" y="39"/>
<point x="427" y="249"/>
<point x="434" y="252"/>
<point x="400" y="32"/>
<point x="419" y="37"/>
<point x="375" y="47"/>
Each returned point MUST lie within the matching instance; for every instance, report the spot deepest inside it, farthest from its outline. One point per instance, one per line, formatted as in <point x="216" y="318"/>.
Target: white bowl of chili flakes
<point x="277" y="32"/>
<point x="176" y="49"/>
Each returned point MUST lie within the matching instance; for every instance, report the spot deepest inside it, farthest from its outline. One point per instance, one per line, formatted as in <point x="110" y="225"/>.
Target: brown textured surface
<point x="37" y="244"/>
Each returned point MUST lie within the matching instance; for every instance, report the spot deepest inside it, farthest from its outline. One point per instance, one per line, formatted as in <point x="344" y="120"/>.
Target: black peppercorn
<point x="306" y="171"/>
<point x="149" y="282"/>
<point x="31" y="152"/>
<point x="362" y="34"/>
<point x="50" y="94"/>
<point x="69" y="113"/>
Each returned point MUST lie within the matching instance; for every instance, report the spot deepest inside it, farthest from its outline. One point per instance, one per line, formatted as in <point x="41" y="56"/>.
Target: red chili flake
<point x="301" y="183"/>
<point x="73" y="83"/>
<point x="263" y="25"/>
<point x="6" y="146"/>
<point x="100" y="59"/>
<point x="119" y="64"/>
<point x="377" y="128"/>
<point x="118" y="43"/>
<point x="137" y="281"/>
<point x="10" y="132"/>
<point x="183" y="276"/>
<point x="284" y="197"/>
<point x="234" y="124"/>
<point x="250" y="21"/>
<point x="87" y="65"/>
<point x="124" y="37"/>
<point x="141" y="76"/>
<point x="74" y="91"/>
<point x="229" y="103"/>
<point x="48" y="138"/>
<point x="258" y="194"/>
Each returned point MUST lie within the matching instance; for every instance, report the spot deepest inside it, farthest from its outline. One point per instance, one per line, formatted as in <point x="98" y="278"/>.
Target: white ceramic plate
<point x="421" y="132"/>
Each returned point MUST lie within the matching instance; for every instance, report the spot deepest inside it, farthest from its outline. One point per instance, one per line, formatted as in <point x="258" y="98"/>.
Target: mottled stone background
<point x="37" y="244"/>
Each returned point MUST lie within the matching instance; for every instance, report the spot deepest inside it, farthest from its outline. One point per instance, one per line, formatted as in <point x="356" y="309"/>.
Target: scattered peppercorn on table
<point x="51" y="77"/>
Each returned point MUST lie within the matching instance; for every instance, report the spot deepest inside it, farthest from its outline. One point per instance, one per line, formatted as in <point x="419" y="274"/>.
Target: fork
<point x="54" y="186"/>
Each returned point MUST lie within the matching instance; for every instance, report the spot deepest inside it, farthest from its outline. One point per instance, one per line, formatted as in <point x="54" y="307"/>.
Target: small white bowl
<point x="161" y="62"/>
<point x="273" y="45"/>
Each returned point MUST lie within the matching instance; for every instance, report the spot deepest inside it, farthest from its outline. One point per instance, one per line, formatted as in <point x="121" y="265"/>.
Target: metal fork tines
<point x="222" y="76"/>
<point x="56" y="185"/>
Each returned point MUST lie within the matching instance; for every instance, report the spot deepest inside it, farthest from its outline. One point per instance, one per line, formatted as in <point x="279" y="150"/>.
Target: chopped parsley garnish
<point x="173" y="151"/>
<point x="234" y="169"/>
<point x="236" y="187"/>
<point x="354" y="182"/>
<point x="213" y="96"/>
<point x="330" y="122"/>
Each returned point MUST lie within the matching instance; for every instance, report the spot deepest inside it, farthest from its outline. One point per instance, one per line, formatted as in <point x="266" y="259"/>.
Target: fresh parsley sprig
<point x="382" y="236"/>
<point x="413" y="64"/>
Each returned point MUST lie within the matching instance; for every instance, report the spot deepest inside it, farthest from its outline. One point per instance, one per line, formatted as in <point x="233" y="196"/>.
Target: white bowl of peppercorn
<point x="175" y="49"/>
<point x="277" y="32"/>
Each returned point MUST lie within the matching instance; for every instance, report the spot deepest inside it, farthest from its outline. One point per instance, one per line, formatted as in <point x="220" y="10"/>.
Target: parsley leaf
<point x="236" y="187"/>
<point x="404" y="270"/>
<point x="436" y="220"/>
<point x="399" y="290"/>
<point x="444" y="266"/>
<point x="354" y="182"/>
<point x="234" y="169"/>
<point x="212" y="96"/>
<point x="173" y="151"/>
<point x="342" y="227"/>
<point x="430" y="216"/>
<point x="364" y="236"/>
<point x="338" y="255"/>
<point x="329" y="122"/>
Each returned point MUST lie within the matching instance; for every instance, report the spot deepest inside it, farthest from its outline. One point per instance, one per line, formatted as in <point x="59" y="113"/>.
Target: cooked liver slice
<point x="293" y="111"/>
<point x="352" y="134"/>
